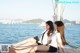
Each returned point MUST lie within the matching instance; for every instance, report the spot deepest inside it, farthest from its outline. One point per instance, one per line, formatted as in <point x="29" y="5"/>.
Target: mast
<point x="58" y="11"/>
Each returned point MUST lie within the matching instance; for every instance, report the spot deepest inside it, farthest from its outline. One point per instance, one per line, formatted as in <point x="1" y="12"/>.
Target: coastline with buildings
<point x="18" y="21"/>
<point x="36" y="21"/>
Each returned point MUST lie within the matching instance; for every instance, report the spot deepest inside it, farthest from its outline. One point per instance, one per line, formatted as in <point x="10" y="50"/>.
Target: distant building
<point x="67" y="24"/>
<point x="77" y="22"/>
<point x="10" y="21"/>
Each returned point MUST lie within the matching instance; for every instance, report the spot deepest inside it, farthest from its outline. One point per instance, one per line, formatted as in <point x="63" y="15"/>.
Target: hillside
<point x="34" y="21"/>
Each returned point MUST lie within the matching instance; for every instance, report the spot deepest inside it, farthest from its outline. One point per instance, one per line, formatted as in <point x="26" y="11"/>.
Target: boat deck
<point x="66" y="51"/>
<point x="4" y="48"/>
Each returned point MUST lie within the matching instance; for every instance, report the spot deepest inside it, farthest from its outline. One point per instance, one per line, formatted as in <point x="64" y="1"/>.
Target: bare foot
<point x="11" y="50"/>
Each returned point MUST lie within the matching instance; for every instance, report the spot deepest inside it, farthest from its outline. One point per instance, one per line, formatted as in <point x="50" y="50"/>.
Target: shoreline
<point x="32" y="23"/>
<point x="27" y="23"/>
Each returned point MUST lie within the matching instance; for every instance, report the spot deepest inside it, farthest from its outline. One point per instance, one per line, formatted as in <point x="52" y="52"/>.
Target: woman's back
<point x="55" y="39"/>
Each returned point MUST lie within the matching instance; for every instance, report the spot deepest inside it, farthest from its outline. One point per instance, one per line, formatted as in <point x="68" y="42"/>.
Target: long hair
<point x="60" y="29"/>
<point x="51" y="29"/>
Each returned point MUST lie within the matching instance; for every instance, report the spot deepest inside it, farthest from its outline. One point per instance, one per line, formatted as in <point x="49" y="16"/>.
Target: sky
<point x="35" y="9"/>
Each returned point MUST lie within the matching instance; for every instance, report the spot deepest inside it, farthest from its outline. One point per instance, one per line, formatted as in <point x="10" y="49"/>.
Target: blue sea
<point x="14" y="33"/>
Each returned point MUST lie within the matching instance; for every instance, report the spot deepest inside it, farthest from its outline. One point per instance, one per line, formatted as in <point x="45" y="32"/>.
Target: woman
<point x="34" y="41"/>
<point x="58" y="40"/>
<point x="45" y="39"/>
<point x="59" y="25"/>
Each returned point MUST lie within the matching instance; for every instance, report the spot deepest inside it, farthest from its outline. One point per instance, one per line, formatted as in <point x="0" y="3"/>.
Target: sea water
<point x="14" y="33"/>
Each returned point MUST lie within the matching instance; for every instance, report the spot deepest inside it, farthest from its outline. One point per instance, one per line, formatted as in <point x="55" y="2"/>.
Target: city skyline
<point x="33" y="9"/>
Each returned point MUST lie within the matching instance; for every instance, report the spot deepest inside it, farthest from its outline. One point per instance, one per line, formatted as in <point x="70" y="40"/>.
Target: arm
<point x="61" y="47"/>
<point x="59" y="41"/>
<point x="40" y="40"/>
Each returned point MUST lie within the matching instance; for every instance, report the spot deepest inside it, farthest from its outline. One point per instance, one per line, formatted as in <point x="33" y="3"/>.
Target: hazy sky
<point x="32" y="9"/>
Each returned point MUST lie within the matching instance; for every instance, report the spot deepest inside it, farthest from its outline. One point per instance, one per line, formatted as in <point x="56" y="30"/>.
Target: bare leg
<point x="26" y="42"/>
<point x="25" y="50"/>
<point x="31" y="49"/>
<point x="40" y="48"/>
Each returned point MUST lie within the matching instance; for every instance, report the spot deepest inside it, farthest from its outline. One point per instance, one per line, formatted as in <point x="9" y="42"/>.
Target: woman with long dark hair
<point x="49" y="29"/>
<point x="47" y="34"/>
<point x="45" y="40"/>
<point x="60" y="28"/>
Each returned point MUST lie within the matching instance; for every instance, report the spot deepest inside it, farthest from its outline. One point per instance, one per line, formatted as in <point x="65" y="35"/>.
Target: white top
<point x="45" y="39"/>
<point x="56" y="37"/>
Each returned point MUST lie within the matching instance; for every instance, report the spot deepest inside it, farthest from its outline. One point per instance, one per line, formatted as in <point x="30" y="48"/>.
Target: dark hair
<point x="60" y="29"/>
<point x="51" y="29"/>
